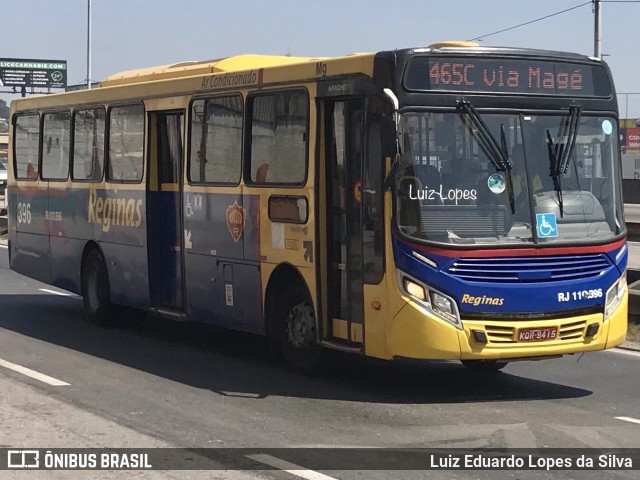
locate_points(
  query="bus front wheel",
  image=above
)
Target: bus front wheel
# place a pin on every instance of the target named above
(299, 345)
(484, 366)
(95, 289)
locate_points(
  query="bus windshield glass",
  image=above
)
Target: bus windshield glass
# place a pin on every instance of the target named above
(451, 188)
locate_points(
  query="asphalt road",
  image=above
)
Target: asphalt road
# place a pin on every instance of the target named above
(154, 383)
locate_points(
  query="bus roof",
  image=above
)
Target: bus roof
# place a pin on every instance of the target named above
(251, 61)
(475, 49)
(186, 69)
(174, 78)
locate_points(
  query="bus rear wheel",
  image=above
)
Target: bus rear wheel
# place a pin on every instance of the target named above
(484, 366)
(95, 289)
(298, 330)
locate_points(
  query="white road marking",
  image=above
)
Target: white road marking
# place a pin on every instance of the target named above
(33, 374)
(241, 394)
(626, 352)
(628, 419)
(4, 246)
(62, 294)
(288, 467)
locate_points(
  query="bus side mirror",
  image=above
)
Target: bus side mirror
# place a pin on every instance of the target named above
(388, 137)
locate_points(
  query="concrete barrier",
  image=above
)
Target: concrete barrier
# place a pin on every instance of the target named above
(634, 298)
(3, 214)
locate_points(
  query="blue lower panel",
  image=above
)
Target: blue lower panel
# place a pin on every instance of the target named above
(240, 296)
(223, 293)
(30, 256)
(202, 289)
(66, 263)
(128, 279)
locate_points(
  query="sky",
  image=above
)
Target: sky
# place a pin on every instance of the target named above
(129, 34)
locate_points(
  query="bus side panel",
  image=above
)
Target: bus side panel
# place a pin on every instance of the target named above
(240, 301)
(66, 259)
(128, 279)
(251, 230)
(119, 218)
(30, 254)
(31, 257)
(214, 224)
(209, 241)
(203, 302)
(69, 231)
(242, 293)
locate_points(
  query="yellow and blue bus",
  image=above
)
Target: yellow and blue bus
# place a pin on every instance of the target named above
(446, 202)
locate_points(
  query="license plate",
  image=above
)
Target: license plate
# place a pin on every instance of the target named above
(540, 334)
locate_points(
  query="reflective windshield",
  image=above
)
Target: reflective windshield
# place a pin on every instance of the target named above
(451, 189)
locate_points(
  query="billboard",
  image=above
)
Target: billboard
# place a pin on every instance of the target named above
(629, 132)
(20, 72)
(632, 140)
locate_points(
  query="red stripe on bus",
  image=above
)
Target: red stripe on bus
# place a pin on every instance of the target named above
(519, 252)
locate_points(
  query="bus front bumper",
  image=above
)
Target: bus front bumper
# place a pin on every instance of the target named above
(417, 334)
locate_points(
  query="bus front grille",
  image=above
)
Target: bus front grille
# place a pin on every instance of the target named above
(529, 269)
(500, 334)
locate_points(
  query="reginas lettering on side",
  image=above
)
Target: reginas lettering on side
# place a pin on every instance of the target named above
(126, 212)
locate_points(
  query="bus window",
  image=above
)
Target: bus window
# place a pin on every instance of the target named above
(88, 144)
(56, 132)
(279, 137)
(126, 141)
(27, 139)
(216, 140)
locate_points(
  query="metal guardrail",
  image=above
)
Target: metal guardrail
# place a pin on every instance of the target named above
(632, 213)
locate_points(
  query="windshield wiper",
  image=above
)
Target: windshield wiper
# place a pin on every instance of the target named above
(553, 170)
(496, 153)
(570, 127)
(498, 157)
(560, 152)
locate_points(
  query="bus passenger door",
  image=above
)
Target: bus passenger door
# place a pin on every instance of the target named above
(344, 144)
(164, 210)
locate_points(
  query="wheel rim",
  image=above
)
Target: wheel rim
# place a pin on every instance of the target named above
(300, 323)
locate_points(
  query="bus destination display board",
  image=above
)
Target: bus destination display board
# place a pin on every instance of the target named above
(501, 75)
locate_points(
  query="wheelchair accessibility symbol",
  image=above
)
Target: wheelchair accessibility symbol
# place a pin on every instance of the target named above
(547, 225)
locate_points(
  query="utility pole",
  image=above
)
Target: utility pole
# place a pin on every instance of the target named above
(88, 44)
(597, 34)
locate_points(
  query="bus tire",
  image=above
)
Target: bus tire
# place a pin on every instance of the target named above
(95, 289)
(299, 337)
(484, 366)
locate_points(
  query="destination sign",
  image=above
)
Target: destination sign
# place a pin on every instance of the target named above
(18, 72)
(502, 75)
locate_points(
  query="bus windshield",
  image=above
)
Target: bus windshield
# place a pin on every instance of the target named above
(451, 188)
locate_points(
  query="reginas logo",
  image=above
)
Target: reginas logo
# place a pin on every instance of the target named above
(109, 211)
(235, 220)
(483, 300)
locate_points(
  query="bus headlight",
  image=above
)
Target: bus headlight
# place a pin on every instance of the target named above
(442, 303)
(414, 290)
(432, 300)
(614, 295)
